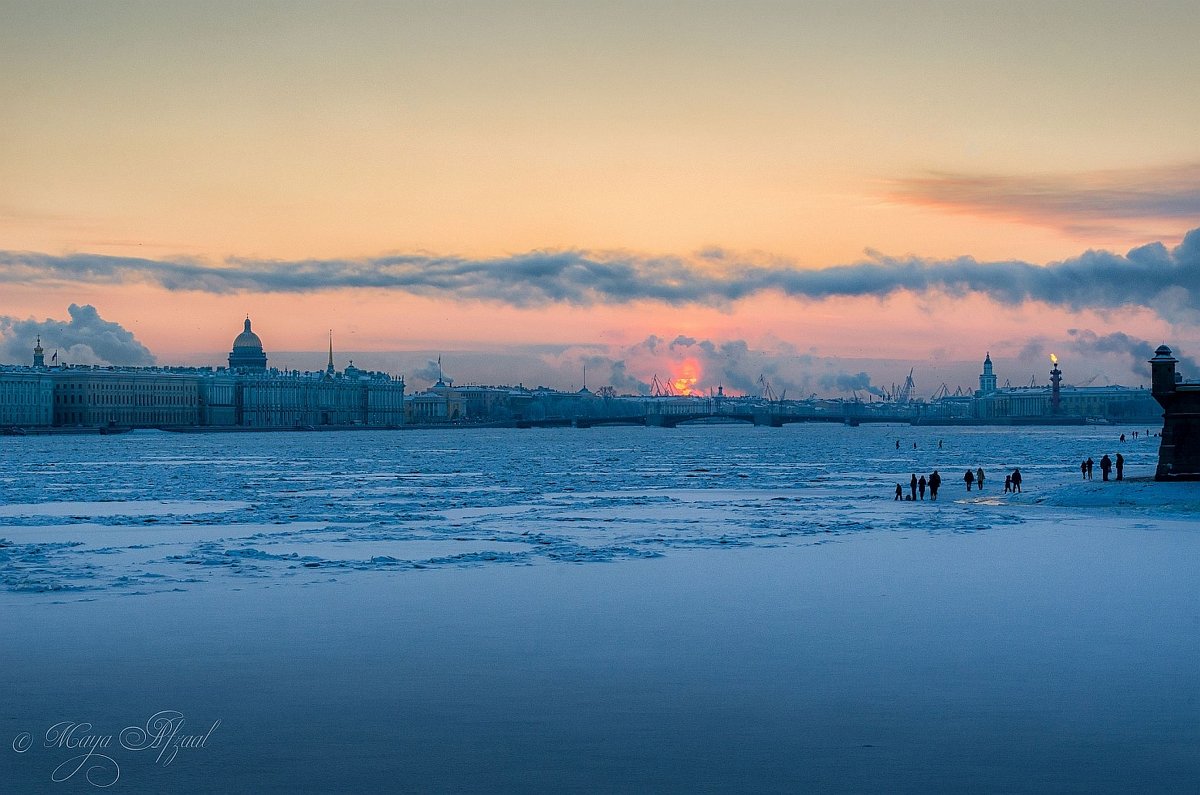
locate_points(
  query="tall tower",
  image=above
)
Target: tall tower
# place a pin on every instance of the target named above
(1055, 380)
(329, 367)
(987, 380)
(39, 355)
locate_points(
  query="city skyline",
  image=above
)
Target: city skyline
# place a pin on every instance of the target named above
(784, 185)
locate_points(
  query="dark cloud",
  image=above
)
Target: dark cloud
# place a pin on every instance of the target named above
(84, 339)
(847, 382)
(1136, 352)
(682, 342)
(1081, 203)
(626, 384)
(1151, 275)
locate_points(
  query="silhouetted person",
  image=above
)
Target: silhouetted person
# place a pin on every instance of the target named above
(935, 483)
(921, 486)
(1016, 480)
(969, 478)
(1089, 463)
(899, 492)
(897, 444)
(1105, 467)
(912, 487)
(939, 444)
(1007, 483)
(1120, 467)
(1083, 469)
(1122, 437)
(914, 445)
(979, 478)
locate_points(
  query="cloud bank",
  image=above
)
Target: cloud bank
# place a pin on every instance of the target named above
(1167, 280)
(84, 339)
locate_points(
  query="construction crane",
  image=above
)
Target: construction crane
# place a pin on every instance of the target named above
(661, 388)
(767, 392)
(907, 390)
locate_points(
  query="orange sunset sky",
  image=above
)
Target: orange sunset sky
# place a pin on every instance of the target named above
(811, 191)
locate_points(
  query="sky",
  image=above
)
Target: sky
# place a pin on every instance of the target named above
(823, 195)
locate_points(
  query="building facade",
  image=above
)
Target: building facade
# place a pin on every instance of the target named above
(246, 394)
(1109, 403)
(26, 397)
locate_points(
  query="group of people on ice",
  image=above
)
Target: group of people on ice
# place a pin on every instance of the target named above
(1106, 467)
(1012, 481)
(917, 486)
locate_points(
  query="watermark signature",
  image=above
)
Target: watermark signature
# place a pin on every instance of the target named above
(94, 754)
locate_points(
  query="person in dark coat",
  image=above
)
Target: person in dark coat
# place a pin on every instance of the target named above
(979, 478)
(899, 492)
(1105, 467)
(969, 478)
(1120, 467)
(1007, 483)
(921, 486)
(1016, 480)
(912, 487)
(1083, 469)
(935, 483)
(1089, 463)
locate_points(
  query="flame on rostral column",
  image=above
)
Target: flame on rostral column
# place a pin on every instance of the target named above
(1053, 359)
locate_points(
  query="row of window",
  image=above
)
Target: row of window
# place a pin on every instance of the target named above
(126, 400)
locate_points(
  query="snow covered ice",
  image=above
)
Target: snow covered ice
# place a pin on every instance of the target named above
(723, 607)
(154, 511)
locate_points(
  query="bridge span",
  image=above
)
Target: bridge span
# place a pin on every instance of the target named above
(763, 418)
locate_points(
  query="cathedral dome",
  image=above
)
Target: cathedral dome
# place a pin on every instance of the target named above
(247, 339)
(247, 353)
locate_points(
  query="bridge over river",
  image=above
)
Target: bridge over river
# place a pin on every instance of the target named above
(763, 417)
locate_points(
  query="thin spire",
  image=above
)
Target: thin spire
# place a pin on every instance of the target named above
(329, 367)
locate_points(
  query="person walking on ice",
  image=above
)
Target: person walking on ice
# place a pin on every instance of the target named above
(1016, 480)
(935, 483)
(969, 478)
(979, 478)
(1105, 467)
(1120, 467)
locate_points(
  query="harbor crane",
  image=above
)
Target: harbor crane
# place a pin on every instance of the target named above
(767, 391)
(660, 388)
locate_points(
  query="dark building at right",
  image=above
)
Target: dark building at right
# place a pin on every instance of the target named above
(1179, 450)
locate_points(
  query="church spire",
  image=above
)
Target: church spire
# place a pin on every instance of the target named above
(329, 367)
(39, 355)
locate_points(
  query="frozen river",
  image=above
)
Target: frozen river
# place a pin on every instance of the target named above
(614, 609)
(149, 511)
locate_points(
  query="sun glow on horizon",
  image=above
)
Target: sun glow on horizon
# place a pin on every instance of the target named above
(689, 375)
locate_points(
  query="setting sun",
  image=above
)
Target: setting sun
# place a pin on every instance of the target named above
(689, 374)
